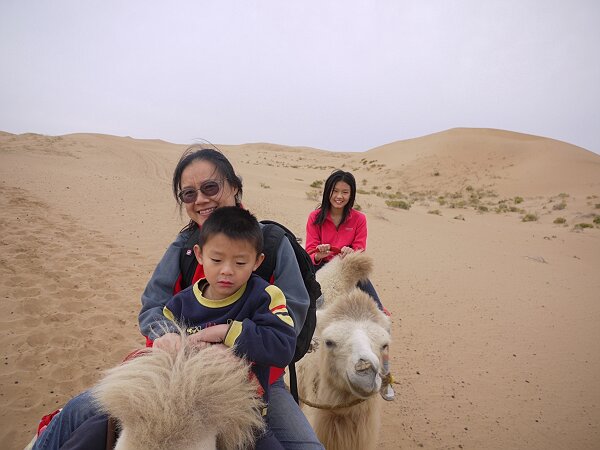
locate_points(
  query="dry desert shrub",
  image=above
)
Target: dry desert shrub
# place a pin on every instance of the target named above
(530, 217)
(393, 195)
(560, 220)
(461, 204)
(502, 207)
(371, 164)
(313, 195)
(398, 204)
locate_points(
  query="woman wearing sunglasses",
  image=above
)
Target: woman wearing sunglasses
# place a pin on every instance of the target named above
(203, 181)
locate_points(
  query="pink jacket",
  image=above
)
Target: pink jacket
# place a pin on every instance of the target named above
(351, 233)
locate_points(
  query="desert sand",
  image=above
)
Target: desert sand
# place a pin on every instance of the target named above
(496, 320)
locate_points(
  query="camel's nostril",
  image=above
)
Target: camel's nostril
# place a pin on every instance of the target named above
(363, 365)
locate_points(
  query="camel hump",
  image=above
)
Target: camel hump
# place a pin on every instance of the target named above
(184, 396)
(340, 275)
(357, 266)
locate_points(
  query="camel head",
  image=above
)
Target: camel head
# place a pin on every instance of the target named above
(353, 335)
(339, 380)
(188, 400)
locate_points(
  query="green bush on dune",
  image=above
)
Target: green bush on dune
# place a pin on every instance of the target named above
(398, 204)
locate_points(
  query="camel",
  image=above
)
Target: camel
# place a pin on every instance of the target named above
(189, 400)
(339, 380)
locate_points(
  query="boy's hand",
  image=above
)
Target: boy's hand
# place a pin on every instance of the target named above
(214, 334)
(170, 342)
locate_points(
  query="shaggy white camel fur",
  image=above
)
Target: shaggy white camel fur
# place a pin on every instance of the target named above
(340, 275)
(341, 378)
(185, 400)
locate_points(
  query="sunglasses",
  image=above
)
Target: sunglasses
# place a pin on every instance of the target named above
(209, 188)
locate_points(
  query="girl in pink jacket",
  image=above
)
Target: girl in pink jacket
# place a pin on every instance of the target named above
(336, 224)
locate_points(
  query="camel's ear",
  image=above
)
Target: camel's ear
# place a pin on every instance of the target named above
(387, 323)
(259, 259)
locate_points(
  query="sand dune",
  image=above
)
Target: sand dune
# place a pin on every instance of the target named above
(495, 320)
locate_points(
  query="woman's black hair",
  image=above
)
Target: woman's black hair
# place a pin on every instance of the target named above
(210, 153)
(336, 176)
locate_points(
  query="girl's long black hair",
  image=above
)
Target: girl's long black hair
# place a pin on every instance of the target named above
(336, 175)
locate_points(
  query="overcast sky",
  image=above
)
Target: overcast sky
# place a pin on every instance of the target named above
(341, 75)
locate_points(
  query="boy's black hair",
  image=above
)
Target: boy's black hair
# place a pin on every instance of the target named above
(234, 222)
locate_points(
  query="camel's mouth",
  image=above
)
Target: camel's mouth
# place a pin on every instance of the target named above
(364, 384)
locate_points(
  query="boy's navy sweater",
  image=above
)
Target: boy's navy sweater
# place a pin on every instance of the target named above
(260, 327)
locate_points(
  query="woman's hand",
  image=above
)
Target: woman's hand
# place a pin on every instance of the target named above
(323, 250)
(345, 251)
(170, 342)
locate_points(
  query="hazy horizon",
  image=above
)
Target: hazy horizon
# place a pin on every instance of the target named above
(339, 75)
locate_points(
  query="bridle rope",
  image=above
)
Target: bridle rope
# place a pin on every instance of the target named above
(334, 407)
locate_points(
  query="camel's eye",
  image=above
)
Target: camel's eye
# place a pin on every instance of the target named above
(385, 348)
(329, 343)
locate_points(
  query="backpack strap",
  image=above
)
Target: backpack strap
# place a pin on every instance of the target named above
(293, 382)
(112, 433)
(272, 236)
(277, 225)
(273, 233)
(187, 259)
